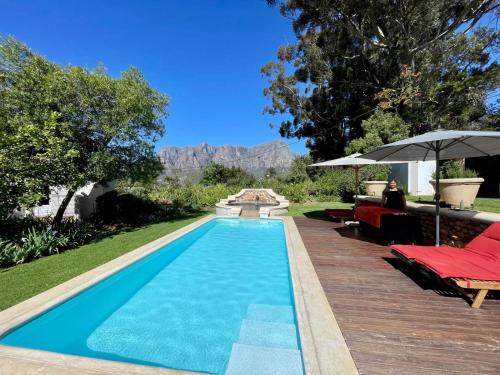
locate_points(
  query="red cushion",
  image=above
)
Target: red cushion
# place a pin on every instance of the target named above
(487, 243)
(363, 203)
(414, 251)
(372, 214)
(452, 262)
(476, 268)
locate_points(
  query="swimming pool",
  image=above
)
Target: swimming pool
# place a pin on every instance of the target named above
(218, 300)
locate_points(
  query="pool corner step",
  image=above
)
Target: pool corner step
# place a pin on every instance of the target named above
(262, 360)
(271, 313)
(269, 334)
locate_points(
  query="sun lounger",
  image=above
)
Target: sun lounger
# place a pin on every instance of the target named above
(476, 267)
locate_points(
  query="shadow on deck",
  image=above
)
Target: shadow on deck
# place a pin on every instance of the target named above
(396, 320)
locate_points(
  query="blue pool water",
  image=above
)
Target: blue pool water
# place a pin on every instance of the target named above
(217, 300)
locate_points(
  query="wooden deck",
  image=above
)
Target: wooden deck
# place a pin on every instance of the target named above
(393, 319)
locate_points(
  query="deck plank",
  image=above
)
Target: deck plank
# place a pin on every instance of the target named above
(394, 319)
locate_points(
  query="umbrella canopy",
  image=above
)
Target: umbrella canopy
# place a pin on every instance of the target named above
(354, 161)
(451, 144)
(351, 160)
(439, 145)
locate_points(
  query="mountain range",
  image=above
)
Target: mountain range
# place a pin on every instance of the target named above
(190, 160)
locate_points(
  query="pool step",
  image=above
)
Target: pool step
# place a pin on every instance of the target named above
(262, 360)
(275, 335)
(271, 313)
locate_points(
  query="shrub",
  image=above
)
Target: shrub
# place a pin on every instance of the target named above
(338, 184)
(128, 209)
(455, 169)
(296, 192)
(8, 253)
(375, 173)
(192, 196)
(37, 243)
(77, 232)
(34, 244)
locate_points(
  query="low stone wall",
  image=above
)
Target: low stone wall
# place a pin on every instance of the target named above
(453, 231)
(457, 227)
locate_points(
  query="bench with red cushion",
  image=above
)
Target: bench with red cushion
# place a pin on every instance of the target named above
(372, 214)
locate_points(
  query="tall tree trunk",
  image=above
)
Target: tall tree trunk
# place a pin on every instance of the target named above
(60, 211)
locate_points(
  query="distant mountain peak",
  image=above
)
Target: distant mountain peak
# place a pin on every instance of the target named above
(184, 161)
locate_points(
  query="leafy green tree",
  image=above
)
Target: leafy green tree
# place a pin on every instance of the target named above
(99, 128)
(298, 171)
(353, 57)
(215, 173)
(379, 129)
(33, 152)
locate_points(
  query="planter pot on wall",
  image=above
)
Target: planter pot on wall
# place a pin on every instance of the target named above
(455, 190)
(375, 188)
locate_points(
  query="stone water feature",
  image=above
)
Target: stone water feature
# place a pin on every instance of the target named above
(253, 202)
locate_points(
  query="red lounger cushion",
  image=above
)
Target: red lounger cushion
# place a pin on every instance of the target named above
(371, 214)
(487, 243)
(479, 260)
(363, 203)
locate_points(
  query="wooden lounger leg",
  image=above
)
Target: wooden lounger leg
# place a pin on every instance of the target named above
(479, 298)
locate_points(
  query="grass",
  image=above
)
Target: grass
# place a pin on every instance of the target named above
(480, 204)
(314, 209)
(26, 280)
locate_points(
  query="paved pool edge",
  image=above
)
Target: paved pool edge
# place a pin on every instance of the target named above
(324, 349)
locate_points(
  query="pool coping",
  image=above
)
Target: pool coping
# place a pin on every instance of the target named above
(324, 350)
(323, 347)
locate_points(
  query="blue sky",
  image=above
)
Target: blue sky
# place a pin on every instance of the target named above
(205, 54)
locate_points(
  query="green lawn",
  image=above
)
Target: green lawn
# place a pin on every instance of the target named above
(314, 209)
(480, 204)
(26, 280)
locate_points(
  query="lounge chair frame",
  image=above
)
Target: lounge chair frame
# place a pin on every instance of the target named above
(482, 287)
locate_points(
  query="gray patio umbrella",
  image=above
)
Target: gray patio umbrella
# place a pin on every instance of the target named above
(440, 145)
(353, 161)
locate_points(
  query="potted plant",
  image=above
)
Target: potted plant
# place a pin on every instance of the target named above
(458, 185)
(376, 186)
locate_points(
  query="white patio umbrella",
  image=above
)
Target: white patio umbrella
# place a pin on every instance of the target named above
(353, 161)
(439, 145)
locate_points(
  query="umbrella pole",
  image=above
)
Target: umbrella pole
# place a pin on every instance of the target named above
(357, 186)
(437, 196)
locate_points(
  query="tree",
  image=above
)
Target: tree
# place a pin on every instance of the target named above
(298, 171)
(379, 129)
(105, 127)
(33, 151)
(215, 173)
(354, 57)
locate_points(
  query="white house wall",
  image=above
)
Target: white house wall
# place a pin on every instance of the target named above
(423, 174)
(414, 176)
(82, 205)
